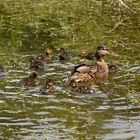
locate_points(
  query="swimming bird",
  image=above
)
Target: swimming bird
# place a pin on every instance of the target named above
(47, 87)
(86, 73)
(28, 80)
(46, 56)
(112, 67)
(35, 64)
(87, 55)
(63, 55)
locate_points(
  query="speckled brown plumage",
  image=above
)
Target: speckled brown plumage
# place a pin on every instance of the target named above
(28, 80)
(35, 64)
(84, 73)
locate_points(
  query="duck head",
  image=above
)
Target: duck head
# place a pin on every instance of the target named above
(63, 55)
(62, 51)
(49, 52)
(101, 51)
(48, 84)
(33, 75)
(83, 53)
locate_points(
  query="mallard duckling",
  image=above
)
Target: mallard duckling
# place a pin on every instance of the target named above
(63, 55)
(28, 80)
(46, 56)
(87, 55)
(84, 73)
(83, 53)
(48, 53)
(112, 67)
(35, 64)
(90, 56)
(48, 86)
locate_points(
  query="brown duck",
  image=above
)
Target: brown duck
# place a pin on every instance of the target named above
(87, 55)
(84, 73)
(48, 86)
(63, 55)
(46, 56)
(112, 67)
(35, 64)
(28, 80)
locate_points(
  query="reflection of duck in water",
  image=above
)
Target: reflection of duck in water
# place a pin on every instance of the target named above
(84, 73)
(29, 80)
(87, 55)
(35, 64)
(63, 55)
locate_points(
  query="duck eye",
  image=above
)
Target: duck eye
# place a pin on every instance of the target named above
(105, 49)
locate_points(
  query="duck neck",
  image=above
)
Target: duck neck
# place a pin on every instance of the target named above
(98, 57)
(100, 61)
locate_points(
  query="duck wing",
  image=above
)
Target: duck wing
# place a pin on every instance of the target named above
(82, 68)
(76, 67)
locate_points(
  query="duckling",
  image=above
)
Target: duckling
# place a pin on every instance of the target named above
(87, 55)
(90, 56)
(83, 53)
(83, 74)
(35, 64)
(28, 80)
(49, 52)
(48, 86)
(63, 54)
(46, 56)
(112, 67)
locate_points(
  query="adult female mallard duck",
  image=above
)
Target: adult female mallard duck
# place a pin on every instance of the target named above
(84, 73)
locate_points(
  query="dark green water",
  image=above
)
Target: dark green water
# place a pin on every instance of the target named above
(27, 114)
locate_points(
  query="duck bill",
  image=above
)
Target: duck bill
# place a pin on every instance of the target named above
(111, 53)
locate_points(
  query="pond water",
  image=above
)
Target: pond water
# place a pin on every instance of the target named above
(107, 112)
(28, 114)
